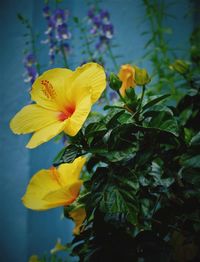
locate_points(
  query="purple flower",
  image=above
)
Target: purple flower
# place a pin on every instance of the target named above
(46, 11)
(30, 65)
(62, 32)
(60, 16)
(52, 51)
(32, 72)
(108, 31)
(101, 27)
(102, 43)
(91, 13)
(96, 21)
(29, 60)
(105, 16)
(50, 26)
(57, 31)
(96, 24)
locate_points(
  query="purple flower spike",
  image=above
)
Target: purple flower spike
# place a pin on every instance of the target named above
(91, 13)
(62, 32)
(29, 60)
(102, 44)
(46, 11)
(60, 16)
(105, 16)
(50, 26)
(108, 31)
(97, 21)
(57, 31)
(31, 71)
(96, 24)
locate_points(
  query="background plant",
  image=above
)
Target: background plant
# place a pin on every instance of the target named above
(160, 51)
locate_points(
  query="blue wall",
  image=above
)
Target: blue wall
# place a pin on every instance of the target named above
(25, 232)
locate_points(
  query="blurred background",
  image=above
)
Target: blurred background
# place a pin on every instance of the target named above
(39, 35)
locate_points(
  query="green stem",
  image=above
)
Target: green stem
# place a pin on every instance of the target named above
(88, 45)
(82, 29)
(142, 98)
(112, 58)
(64, 57)
(34, 50)
(137, 114)
(121, 97)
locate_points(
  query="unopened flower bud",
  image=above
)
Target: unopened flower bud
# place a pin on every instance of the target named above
(141, 76)
(127, 76)
(179, 66)
(115, 82)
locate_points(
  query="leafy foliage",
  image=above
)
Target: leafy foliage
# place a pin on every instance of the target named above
(142, 190)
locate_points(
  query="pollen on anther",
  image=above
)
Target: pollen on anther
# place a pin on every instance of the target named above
(48, 89)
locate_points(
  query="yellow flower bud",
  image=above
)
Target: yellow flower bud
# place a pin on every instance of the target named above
(141, 76)
(127, 76)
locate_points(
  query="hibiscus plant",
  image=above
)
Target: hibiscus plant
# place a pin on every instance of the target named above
(128, 177)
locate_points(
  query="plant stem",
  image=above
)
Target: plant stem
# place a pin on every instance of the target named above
(142, 97)
(112, 58)
(87, 43)
(137, 114)
(34, 50)
(121, 97)
(64, 57)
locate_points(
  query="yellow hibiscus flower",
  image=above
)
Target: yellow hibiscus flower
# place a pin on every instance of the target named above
(54, 187)
(127, 76)
(63, 101)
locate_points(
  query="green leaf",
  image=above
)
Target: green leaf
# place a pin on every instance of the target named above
(191, 161)
(155, 101)
(119, 201)
(114, 120)
(68, 154)
(121, 137)
(118, 155)
(164, 122)
(76, 19)
(94, 128)
(195, 141)
(191, 175)
(154, 110)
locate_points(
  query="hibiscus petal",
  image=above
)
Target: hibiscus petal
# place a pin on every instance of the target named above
(89, 78)
(47, 189)
(79, 116)
(39, 186)
(78, 215)
(50, 89)
(32, 118)
(45, 134)
(70, 172)
(63, 196)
